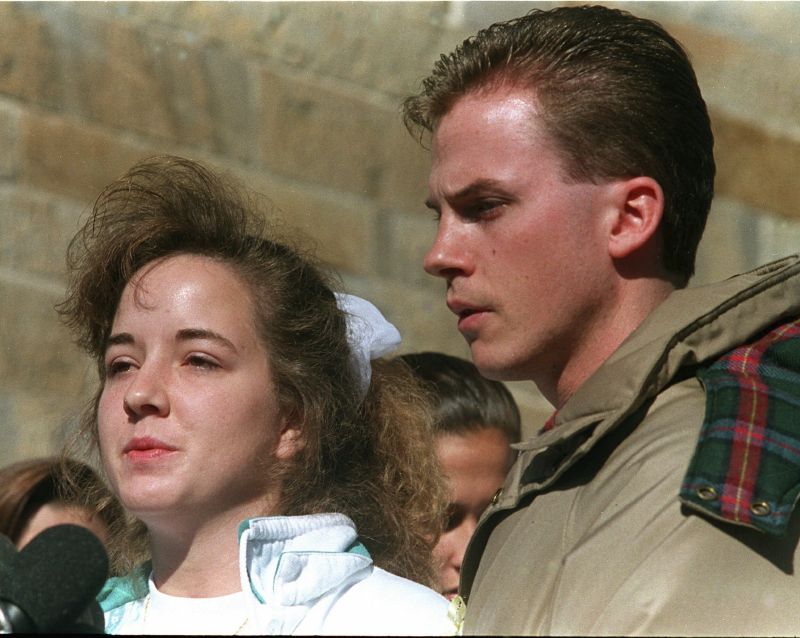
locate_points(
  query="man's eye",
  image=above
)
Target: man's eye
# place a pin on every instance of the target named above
(435, 212)
(482, 208)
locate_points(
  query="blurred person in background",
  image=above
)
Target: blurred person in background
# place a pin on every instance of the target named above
(476, 421)
(33, 497)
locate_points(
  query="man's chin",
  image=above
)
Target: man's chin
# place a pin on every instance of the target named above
(493, 367)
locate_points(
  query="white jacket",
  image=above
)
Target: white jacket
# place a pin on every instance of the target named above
(304, 575)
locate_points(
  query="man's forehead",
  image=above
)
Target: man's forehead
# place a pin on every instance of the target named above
(494, 100)
(486, 118)
(479, 130)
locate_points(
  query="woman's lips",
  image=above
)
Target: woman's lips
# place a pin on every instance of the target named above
(146, 448)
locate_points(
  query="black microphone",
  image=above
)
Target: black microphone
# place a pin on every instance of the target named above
(12, 618)
(7, 554)
(51, 584)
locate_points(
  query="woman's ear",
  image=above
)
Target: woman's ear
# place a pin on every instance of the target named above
(291, 439)
(637, 207)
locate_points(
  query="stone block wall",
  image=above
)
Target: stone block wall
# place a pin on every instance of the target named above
(301, 101)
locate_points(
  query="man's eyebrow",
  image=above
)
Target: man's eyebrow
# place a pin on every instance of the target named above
(189, 334)
(475, 188)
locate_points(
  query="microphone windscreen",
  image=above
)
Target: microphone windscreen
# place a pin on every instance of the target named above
(58, 575)
(7, 548)
(8, 557)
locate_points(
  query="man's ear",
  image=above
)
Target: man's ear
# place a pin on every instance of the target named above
(291, 438)
(637, 207)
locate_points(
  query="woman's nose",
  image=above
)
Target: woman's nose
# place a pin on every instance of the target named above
(465, 532)
(147, 393)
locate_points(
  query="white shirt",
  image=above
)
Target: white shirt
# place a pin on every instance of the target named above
(299, 575)
(174, 615)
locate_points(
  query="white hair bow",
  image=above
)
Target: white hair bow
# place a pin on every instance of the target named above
(369, 333)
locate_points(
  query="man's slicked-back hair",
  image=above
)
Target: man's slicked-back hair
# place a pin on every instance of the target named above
(617, 95)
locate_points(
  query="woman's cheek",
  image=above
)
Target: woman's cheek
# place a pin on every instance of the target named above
(105, 436)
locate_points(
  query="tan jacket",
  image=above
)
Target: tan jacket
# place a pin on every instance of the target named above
(588, 535)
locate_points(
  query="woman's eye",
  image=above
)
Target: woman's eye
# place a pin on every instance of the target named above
(454, 517)
(118, 366)
(200, 361)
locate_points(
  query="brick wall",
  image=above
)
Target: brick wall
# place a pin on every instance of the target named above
(301, 101)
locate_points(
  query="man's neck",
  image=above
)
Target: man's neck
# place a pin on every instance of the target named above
(634, 303)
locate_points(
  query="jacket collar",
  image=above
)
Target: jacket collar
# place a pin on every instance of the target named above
(292, 560)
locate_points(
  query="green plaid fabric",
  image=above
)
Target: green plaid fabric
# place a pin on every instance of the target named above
(746, 467)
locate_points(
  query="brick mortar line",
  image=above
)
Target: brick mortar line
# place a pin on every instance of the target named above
(36, 283)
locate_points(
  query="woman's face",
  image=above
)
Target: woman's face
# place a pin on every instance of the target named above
(188, 416)
(475, 463)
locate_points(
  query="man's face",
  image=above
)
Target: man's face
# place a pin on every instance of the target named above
(521, 246)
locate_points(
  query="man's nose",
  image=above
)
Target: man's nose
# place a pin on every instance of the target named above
(449, 256)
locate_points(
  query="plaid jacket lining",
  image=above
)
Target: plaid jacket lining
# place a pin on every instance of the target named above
(746, 467)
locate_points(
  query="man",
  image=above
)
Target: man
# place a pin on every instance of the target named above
(572, 175)
(476, 421)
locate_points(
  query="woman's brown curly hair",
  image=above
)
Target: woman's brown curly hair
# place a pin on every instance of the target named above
(372, 459)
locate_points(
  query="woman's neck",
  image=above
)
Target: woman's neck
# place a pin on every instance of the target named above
(197, 561)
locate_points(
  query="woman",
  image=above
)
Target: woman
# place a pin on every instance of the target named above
(476, 421)
(32, 499)
(240, 422)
